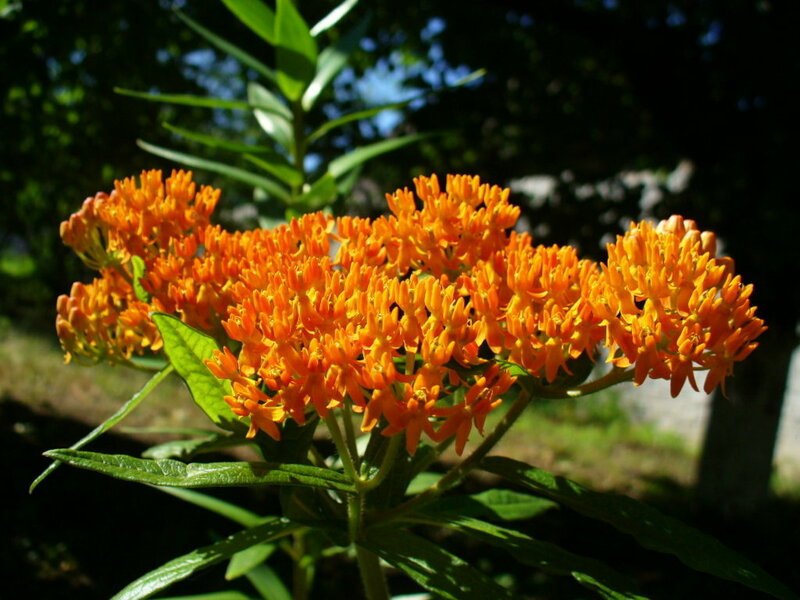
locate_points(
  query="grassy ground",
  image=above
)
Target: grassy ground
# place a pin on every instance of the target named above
(60, 551)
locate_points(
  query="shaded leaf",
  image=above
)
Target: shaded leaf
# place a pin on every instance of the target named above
(138, 272)
(296, 53)
(215, 142)
(504, 505)
(187, 350)
(173, 473)
(226, 595)
(229, 48)
(182, 567)
(226, 509)
(258, 17)
(321, 193)
(186, 99)
(269, 186)
(590, 573)
(354, 116)
(277, 165)
(431, 566)
(650, 527)
(123, 412)
(186, 449)
(268, 584)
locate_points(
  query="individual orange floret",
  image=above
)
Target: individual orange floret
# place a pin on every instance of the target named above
(672, 307)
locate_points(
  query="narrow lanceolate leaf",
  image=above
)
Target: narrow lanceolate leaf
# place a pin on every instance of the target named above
(271, 187)
(186, 449)
(223, 508)
(333, 17)
(215, 142)
(186, 99)
(248, 559)
(226, 595)
(202, 558)
(268, 584)
(123, 412)
(431, 566)
(173, 473)
(274, 163)
(229, 48)
(296, 53)
(650, 527)
(275, 122)
(494, 504)
(343, 164)
(590, 573)
(187, 350)
(258, 17)
(354, 116)
(331, 61)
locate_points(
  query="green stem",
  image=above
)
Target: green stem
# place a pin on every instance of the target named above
(298, 133)
(350, 435)
(386, 465)
(457, 474)
(341, 446)
(372, 576)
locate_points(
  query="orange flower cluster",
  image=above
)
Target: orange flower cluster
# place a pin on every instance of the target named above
(400, 318)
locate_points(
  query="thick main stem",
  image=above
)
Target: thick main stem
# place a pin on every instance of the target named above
(372, 575)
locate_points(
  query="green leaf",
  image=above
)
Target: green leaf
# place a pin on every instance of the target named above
(321, 193)
(228, 48)
(186, 99)
(248, 559)
(331, 61)
(431, 566)
(650, 527)
(226, 595)
(421, 482)
(268, 584)
(504, 505)
(343, 164)
(333, 17)
(354, 116)
(123, 412)
(202, 558)
(269, 186)
(277, 165)
(173, 473)
(296, 53)
(258, 17)
(275, 122)
(137, 262)
(214, 142)
(187, 350)
(550, 558)
(226, 509)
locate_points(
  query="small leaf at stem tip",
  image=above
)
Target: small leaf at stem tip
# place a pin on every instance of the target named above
(258, 17)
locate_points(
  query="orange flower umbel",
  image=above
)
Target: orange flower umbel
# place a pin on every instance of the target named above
(671, 307)
(405, 322)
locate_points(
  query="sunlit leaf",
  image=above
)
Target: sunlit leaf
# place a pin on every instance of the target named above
(186, 99)
(354, 116)
(187, 349)
(138, 272)
(331, 61)
(271, 187)
(123, 412)
(229, 48)
(495, 504)
(174, 473)
(182, 567)
(277, 121)
(650, 527)
(343, 164)
(296, 53)
(248, 559)
(268, 584)
(333, 17)
(258, 17)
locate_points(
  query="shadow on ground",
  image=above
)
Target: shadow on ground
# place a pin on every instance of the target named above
(83, 535)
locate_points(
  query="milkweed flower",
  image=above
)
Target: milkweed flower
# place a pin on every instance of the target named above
(671, 306)
(405, 319)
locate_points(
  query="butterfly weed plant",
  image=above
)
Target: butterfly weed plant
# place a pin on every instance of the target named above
(351, 352)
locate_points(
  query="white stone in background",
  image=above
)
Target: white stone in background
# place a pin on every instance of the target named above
(687, 414)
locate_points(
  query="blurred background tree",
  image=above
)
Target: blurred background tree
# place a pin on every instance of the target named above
(623, 110)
